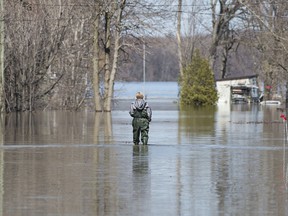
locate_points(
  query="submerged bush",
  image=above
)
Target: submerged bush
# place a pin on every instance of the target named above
(198, 85)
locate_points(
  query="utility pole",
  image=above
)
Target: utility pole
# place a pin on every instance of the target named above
(144, 68)
(178, 35)
(2, 101)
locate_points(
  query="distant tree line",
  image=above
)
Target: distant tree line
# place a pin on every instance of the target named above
(161, 61)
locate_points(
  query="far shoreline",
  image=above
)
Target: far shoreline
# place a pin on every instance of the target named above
(154, 103)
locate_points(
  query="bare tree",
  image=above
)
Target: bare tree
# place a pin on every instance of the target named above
(34, 37)
(223, 13)
(268, 20)
(118, 25)
(56, 49)
(111, 13)
(194, 29)
(96, 60)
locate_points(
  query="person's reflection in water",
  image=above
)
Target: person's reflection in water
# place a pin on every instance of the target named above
(140, 159)
(141, 179)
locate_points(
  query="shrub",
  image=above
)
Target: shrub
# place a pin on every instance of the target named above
(197, 84)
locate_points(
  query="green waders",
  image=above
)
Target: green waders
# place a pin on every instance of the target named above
(140, 126)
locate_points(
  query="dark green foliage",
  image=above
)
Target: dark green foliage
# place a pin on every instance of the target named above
(198, 85)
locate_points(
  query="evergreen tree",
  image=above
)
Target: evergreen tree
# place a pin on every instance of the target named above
(198, 85)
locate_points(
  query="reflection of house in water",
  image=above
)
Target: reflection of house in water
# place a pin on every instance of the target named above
(238, 90)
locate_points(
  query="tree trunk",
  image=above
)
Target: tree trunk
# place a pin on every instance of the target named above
(2, 99)
(108, 99)
(220, 25)
(179, 15)
(96, 72)
(110, 80)
(107, 50)
(213, 46)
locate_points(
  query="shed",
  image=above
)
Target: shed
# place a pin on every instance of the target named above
(238, 90)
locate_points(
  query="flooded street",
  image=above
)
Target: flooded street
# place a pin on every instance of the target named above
(220, 161)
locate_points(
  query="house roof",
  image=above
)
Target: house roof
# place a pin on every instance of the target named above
(237, 78)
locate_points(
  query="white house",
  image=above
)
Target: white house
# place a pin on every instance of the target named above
(238, 90)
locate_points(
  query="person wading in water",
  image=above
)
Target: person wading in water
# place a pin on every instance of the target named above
(142, 116)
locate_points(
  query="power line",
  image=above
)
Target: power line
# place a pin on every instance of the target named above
(84, 18)
(150, 5)
(89, 5)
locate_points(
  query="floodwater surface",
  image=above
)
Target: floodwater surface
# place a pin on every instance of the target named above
(228, 160)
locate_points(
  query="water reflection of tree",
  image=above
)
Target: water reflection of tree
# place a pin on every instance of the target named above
(66, 167)
(272, 123)
(1, 165)
(201, 122)
(193, 120)
(21, 127)
(102, 127)
(57, 127)
(275, 128)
